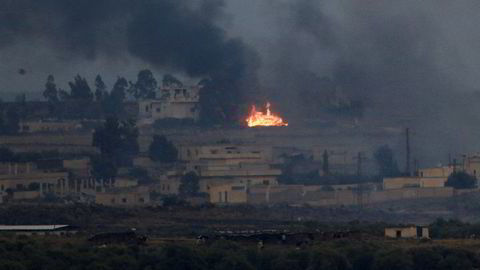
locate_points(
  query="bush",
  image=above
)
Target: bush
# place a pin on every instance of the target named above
(461, 180)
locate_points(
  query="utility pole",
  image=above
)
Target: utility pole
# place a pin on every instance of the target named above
(415, 167)
(359, 163)
(407, 165)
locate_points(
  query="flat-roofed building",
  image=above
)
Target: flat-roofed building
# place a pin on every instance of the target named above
(131, 196)
(251, 174)
(49, 126)
(226, 153)
(434, 172)
(407, 232)
(171, 103)
(413, 182)
(228, 193)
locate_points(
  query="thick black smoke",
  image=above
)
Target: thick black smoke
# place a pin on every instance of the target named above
(399, 62)
(178, 34)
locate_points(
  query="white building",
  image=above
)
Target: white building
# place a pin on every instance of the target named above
(171, 103)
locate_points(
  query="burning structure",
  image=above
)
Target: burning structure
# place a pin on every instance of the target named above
(258, 118)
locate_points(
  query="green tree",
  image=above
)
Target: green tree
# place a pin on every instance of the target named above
(461, 180)
(51, 92)
(325, 168)
(113, 103)
(189, 184)
(119, 89)
(387, 166)
(12, 120)
(117, 140)
(162, 150)
(145, 86)
(104, 167)
(80, 90)
(100, 89)
(141, 175)
(6, 155)
(170, 80)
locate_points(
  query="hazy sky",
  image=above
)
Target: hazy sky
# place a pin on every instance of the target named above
(412, 58)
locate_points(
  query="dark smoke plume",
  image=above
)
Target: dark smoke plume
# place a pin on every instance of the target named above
(400, 60)
(178, 34)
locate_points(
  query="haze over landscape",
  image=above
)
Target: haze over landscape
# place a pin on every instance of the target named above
(239, 134)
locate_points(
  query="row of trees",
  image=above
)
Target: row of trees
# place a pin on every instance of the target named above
(143, 88)
(219, 102)
(352, 255)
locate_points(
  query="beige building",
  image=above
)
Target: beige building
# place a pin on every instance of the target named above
(44, 182)
(228, 193)
(472, 165)
(136, 196)
(251, 174)
(176, 103)
(50, 176)
(225, 153)
(413, 182)
(49, 126)
(407, 232)
(434, 172)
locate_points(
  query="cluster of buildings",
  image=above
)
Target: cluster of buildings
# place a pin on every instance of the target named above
(245, 171)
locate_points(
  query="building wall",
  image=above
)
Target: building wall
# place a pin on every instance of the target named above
(400, 182)
(40, 126)
(443, 172)
(433, 182)
(409, 232)
(232, 193)
(179, 103)
(168, 186)
(26, 195)
(472, 165)
(15, 168)
(130, 197)
(225, 153)
(409, 182)
(293, 194)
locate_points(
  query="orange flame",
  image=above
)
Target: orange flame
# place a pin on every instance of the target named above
(258, 118)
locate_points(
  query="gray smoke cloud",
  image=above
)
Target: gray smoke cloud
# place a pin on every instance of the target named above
(413, 60)
(181, 35)
(410, 63)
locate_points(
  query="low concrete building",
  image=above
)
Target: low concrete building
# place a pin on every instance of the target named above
(228, 193)
(226, 153)
(44, 182)
(171, 102)
(136, 196)
(49, 126)
(27, 195)
(413, 182)
(412, 232)
(250, 173)
(436, 172)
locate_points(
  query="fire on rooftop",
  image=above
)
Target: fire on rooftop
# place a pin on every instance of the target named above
(258, 118)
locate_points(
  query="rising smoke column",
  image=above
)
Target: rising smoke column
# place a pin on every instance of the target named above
(399, 58)
(179, 34)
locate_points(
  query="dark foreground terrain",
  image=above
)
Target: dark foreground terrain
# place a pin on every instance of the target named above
(244, 237)
(18, 253)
